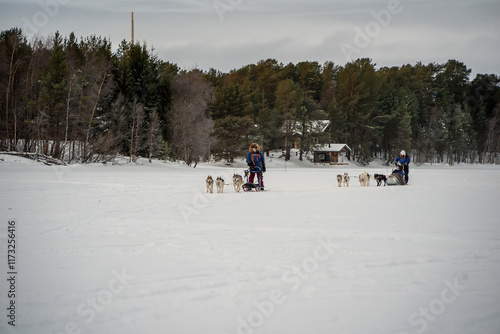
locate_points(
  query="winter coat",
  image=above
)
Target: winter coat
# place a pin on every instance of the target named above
(403, 161)
(404, 164)
(256, 161)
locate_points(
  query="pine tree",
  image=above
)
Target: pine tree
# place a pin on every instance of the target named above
(288, 101)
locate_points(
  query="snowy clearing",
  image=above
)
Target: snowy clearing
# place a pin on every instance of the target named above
(143, 249)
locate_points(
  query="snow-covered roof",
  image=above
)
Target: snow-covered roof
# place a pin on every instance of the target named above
(317, 126)
(320, 125)
(332, 148)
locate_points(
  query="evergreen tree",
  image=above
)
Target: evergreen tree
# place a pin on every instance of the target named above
(54, 94)
(65, 95)
(357, 97)
(288, 101)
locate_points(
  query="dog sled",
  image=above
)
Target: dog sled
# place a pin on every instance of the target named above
(397, 178)
(248, 186)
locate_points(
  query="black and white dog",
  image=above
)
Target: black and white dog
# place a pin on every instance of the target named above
(380, 178)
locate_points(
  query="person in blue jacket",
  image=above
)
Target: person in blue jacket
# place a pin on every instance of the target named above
(403, 162)
(256, 162)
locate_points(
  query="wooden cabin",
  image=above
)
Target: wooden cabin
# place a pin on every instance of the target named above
(333, 154)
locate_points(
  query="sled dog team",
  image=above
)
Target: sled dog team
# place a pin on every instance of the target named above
(399, 174)
(256, 167)
(364, 179)
(219, 183)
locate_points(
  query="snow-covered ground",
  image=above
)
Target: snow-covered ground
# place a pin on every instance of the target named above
(143, 249)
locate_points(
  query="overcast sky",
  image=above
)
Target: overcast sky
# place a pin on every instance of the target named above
(227, 34)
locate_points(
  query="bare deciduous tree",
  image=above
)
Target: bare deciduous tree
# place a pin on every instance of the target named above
(191, 126)
(154, 129)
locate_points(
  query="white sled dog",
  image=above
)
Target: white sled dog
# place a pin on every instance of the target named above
(364, 179)
(237, 182)
(220, 184)
(339, 180)
(210, 184)
(347, 178)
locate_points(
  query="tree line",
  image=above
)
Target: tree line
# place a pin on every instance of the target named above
(77, 100)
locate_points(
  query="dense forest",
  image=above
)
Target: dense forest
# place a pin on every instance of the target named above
(78, 100)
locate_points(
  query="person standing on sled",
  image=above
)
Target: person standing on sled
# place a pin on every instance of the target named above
(403, 162)
(255, 160)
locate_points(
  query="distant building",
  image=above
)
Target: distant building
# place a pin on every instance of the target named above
(315, 129)
(334, 154)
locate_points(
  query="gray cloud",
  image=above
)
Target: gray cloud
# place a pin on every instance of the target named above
(191, 33)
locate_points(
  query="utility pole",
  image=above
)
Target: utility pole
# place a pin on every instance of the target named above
(132, 37)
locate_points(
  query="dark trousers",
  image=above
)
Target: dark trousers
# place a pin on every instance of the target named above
(406, 169)
(259, 175)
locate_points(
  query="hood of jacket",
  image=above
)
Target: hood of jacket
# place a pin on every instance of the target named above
(254, 145)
